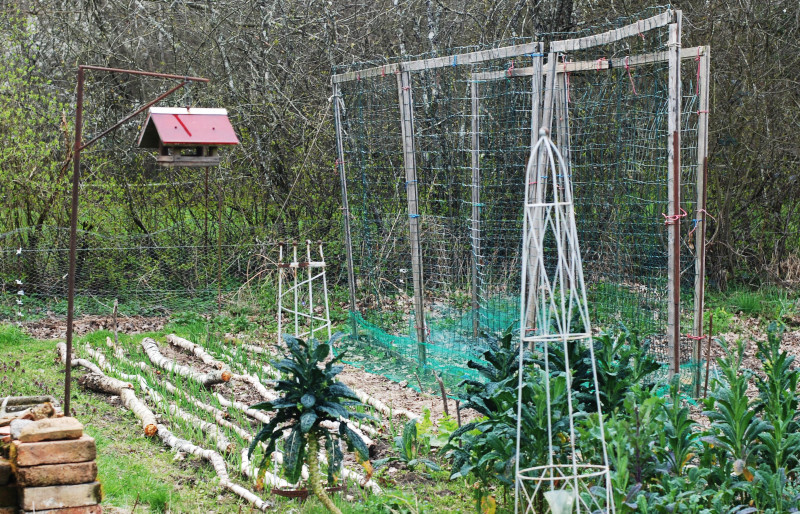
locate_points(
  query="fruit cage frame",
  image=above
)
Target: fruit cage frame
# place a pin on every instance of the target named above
(432, 154)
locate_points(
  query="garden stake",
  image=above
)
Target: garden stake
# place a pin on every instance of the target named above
(444, 393)
(114, 317)
(135, 503)
(419, 383)
(708, 352)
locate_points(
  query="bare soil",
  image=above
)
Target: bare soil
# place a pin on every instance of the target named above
(56, 328)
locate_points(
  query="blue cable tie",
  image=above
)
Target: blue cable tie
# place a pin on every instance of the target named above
(537, 55)
(413, 215)
(455, 61)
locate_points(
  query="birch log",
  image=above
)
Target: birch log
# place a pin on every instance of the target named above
(217, 462)
(61, 349)
(114, 386)
(195, 349)
(154, 354)
(255, 414)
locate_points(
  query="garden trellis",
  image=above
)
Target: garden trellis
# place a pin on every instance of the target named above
(432, 154)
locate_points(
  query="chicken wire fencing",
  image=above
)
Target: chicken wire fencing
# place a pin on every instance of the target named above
(432, 155)
(149, 275)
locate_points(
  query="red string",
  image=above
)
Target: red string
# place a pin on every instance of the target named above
(600, 63)
(638, 27)
(703, 211)
(699, 220)
(628, 69)
(383, 71)
(695, 338)
(672, 219)
(510, 70)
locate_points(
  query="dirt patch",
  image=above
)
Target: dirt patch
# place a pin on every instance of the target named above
(56, 328)
(398, 396)
(184, 358)
(242, 391)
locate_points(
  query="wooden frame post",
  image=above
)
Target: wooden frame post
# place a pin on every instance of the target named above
(476, 206)
(348, 241)
(674, 198)
(704, 71)
(539, 188)
(410, 163)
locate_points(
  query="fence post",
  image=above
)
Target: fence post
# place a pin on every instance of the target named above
(409, 159)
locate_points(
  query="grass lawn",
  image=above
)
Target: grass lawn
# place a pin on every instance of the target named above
(142, 473)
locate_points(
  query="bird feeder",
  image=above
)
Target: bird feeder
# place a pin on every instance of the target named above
(187, 137)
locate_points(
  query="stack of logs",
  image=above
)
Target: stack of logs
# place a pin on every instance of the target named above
(49, 468)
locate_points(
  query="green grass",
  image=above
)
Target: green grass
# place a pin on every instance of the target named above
(767, 303)
(135, 470)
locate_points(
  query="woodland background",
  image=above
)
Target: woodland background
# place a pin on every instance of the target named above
(270, 64)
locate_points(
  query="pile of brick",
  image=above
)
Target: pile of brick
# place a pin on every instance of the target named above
(49, 468)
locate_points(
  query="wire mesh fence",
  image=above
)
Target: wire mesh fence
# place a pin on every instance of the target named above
(472, 125)
(199, 247)
(148, 275)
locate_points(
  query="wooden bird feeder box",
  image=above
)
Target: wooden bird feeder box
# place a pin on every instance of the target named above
(187, 137)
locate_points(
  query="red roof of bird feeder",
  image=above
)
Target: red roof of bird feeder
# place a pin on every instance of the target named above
(185, 126)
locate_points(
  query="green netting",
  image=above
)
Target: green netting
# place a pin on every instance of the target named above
(613, 126)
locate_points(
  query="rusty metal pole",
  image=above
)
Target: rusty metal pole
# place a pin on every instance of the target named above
(73, 235)
(76, 182)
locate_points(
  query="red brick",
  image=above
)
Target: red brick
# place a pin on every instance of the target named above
(57, 474)
(51, 429)
(53, 452)
(59, 496)
(88, 509)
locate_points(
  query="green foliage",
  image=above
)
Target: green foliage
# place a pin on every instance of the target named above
(623, 361)
(736, 429)
(309, 395)
(778, 399)
(681, 441)
(410, 448)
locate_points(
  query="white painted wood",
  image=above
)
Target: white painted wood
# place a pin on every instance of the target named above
(605, 64)
(634, 29)
(704, 65)
(464, 59)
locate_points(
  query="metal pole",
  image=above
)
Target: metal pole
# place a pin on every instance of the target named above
(219, 249)
(410, 161)
(73, 236)
(476, 208)
(76, 180)
(701, 216)
(348, 241)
